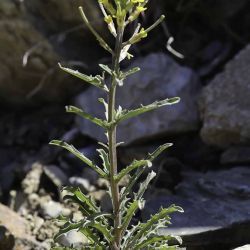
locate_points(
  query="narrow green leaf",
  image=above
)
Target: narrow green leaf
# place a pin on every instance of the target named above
(144, 185)
(158, 151)
(92, 238)
(127, 114)
(97, 81)
(79, 155)
(99, 222)
(106, 68)
(138, 173)
(80, 112)
(93, 31)
(105, 160)
(133, 179)
(69, 226)
(144, 229)
(134, 165)
(129, 72)
(103, 230)
(133, 207)
(82, 198)
(151, 240)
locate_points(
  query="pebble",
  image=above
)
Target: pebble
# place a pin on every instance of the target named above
(72, 239)
(51, 209)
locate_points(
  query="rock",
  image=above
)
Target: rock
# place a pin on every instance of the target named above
(34, 200)
(56, 175)
(62, 23)
(28, 62)
(216, 206)
(72, 239)
(160, 78)
(236, 156)
(98, 195)
(7, 240)
(17, 37)
(55, 14)
(82, 183)
(13, 222)
(226, 113)
(14, 227)
(51, 209)
(31, 182)
(245, 247)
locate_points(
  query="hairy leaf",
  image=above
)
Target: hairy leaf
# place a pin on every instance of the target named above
(134, 165)
(152, 239)
(126, 114)
(105, 160)
(129, 72)
(154, 223)
(68, 226)
(97, 81)
(80, 112)
(79, 155)
(144, 185)
(134, 178)
(158, 151)
(77, 196)
(133, 207)
(106, 68)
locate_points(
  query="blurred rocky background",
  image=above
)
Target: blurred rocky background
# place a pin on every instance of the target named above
(207, 171)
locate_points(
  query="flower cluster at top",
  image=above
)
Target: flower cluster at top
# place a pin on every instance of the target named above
(124, 11)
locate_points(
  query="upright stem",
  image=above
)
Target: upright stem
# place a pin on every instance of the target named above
(112, 141)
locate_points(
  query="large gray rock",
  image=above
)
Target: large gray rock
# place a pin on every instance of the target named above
(61, 21)
(236, 156)
(160, 77)
(225, 104)
(216, 209)
(15, 230)
(25, 27)
(17, 37)
(55, 13)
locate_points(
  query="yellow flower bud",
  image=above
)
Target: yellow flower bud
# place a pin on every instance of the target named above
(108, 19)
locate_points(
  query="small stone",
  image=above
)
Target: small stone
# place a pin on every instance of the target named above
(51, 209)
(32, 180)
(77, 216)
(102, 183)
(98, 195)
(66, 212)
(82, 183)
(38, 222)
(56, 175)
(34, 200)
(72, 239)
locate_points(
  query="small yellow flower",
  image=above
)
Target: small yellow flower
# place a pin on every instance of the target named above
(108, 19)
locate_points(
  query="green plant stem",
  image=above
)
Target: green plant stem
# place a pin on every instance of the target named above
(112, 141)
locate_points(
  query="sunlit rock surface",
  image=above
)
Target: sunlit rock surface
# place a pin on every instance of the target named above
(216, 206)
(160, 78)
(225, 104)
